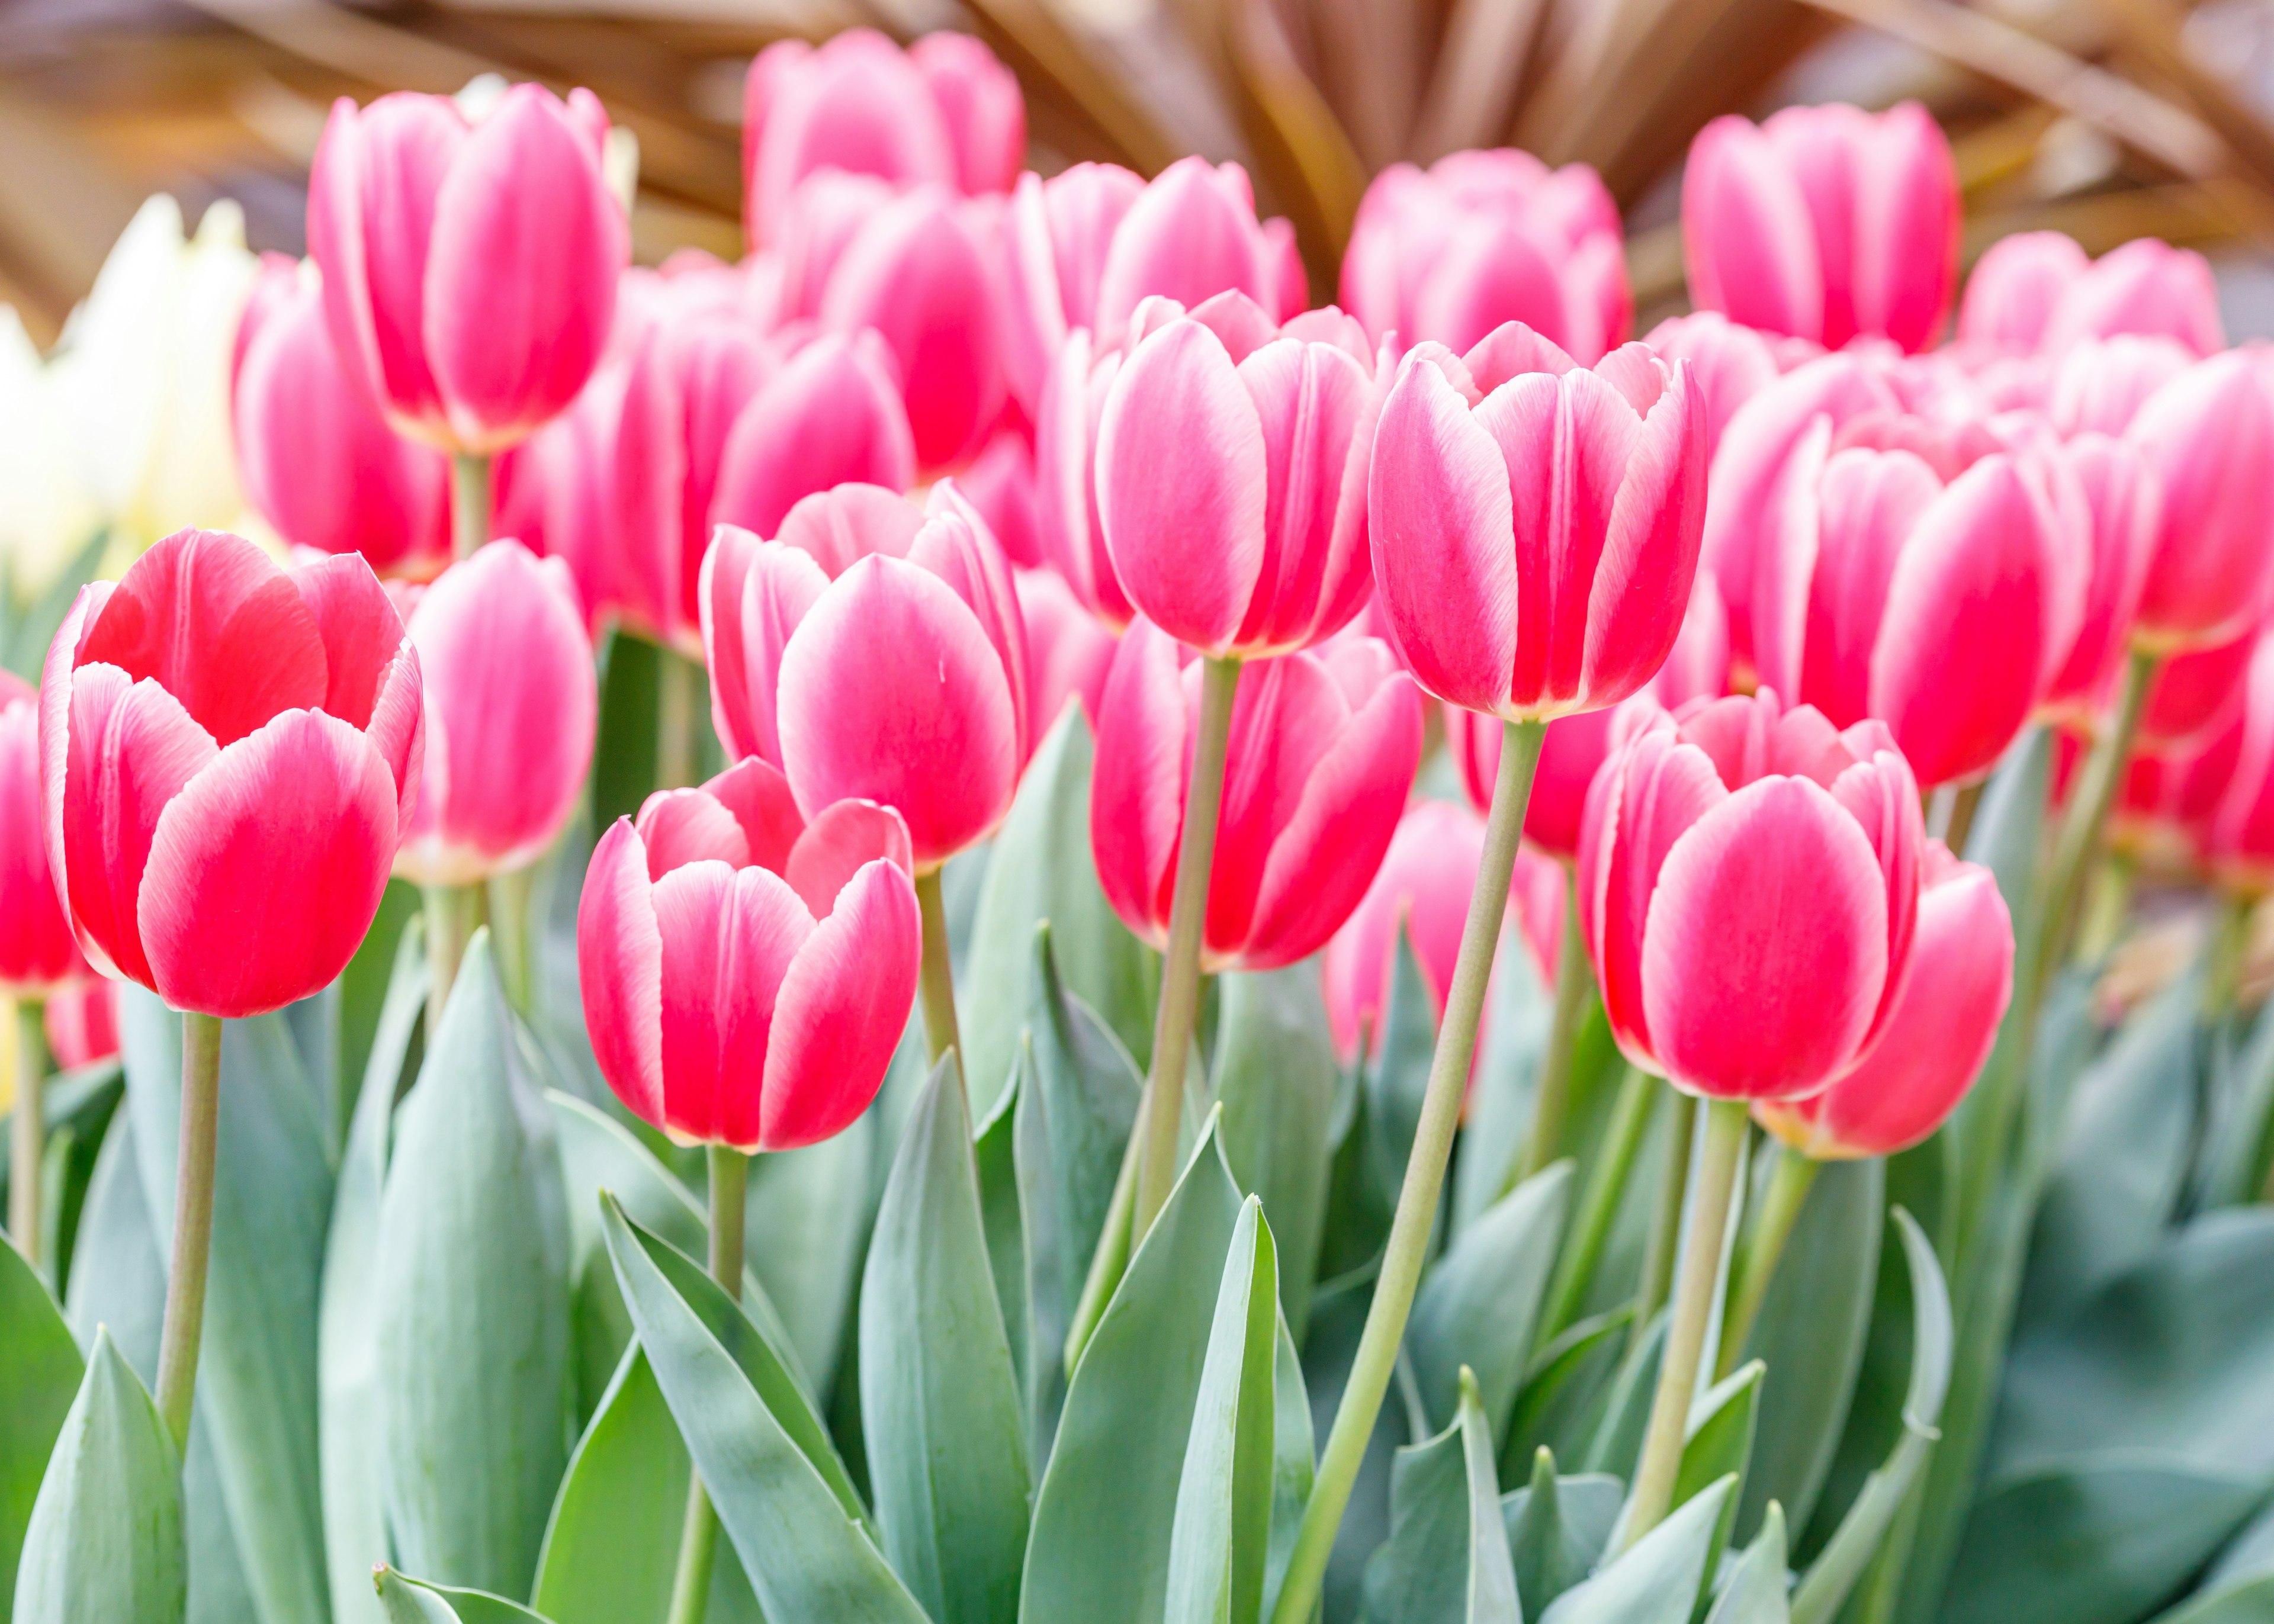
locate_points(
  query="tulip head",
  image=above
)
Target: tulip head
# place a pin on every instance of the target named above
(2036, 290)
(37, 953)
(1066, 522)
(82, 1024)
(2207, 435)
(1191, 235)
(2122, 513)
(1058, 235)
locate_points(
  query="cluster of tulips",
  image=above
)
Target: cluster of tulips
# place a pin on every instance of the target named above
(1702, 648)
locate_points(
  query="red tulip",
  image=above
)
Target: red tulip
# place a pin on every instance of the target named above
(1068, 650)
(1826, 222)
(1936, 1036)
(2209, 436)
(2196, 694)
(2037, 290)
(745, 973)
(228, 757)
(469, 271)
(82, 1024)
(1321, 754)
(2237, 831)
(1484, 237)
(2123, 512)
(1535, 524)
(37, 953)
(1749, 888)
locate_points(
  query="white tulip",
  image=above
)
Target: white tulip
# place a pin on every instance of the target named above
(47, 518)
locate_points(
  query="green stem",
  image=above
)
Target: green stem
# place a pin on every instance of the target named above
(1693, 1311)
(1963, 802)
(1666, 1217)
(678, 683)
(1180, 967)
(1598, 1203)
(449, 927)
(27, 1140)
(698, 1539)
(1551, 1101)
(936, 987)
(183, 1326)
(2223, 955)
(1425, 1177)
(2088, 814)
(470, 503)
(517, 960)
(1754, 1266)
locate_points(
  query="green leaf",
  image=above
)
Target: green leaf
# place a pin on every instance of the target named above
(40, 1372)
(26, 631)
(1519, 1011)
(994, 1157)
(404, 1600)
(1557, 1528)
(781, 1494)
(1566, 1389)
(1617, 1440)
(368, 992)
(1294, 1458)
(1755, 1593)
(1397, 1077)
(1275, 1077)
(1041, 871)
(1477, 1306)
(473, 1309)
(105, 1539)
(1720, 1442)
(1105, 1513)
(1338, 1312)
(2239, 1587)
(808, 1213)
(119, 1277)
(1660, 1579)
(2241, 1135)
(1447, 1559)
(940, 1400)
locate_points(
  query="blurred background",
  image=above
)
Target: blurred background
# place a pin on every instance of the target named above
(2108, 119)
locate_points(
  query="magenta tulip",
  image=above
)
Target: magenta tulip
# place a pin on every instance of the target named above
(229, 754)
(1731, 363)
(38, 955)
(469, 270)
(1191, 235)
(2209, 437)
(2036, 290)
(1826, 222)
(746, 972)
(832, 416)
(2195, 694)
(1748, 889)
(1058, 237)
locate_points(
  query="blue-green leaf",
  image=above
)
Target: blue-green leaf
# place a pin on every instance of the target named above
(1560, 1403)
(1478, 1304)
(413, 1601)
(1755, 1592)
(1557, 1528)
(40, 1372)
(1275, 1077)
(1660, 1579)
(1447, 1559)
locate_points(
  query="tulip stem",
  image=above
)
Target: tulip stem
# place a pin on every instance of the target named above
(2088, 813)
(449, 927)
(470, 503)
(1666, 1217)
(1418, 1196)
(516, 959)
(678, 688)
(1699, 1271)
(1755, 1265)
(27, 1139)
(1599, 1204)
(937, 984)
(1957, 815)
(183, 1326)
(1551, 1100)
(698, 1539)
(1181, 970)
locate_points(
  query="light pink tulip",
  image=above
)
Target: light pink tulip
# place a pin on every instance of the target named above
(1319, 757)
(1748, 887)
(1937, 1034)
(228, 757)
(1191, 235)
(2101, 384)
(1065, 476)
(1536, 523)
(82, 1024)
(1731, 363)
(2037, 290)
(1000, 484)
(2209, 437)
(831, 416)
(746, 972)
(1057, 240)
(1068, 649)
(38, 955)
(469, 271)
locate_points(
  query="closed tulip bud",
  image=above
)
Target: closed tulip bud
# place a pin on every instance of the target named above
(2122, 515)
(1731, 363)
(1484, 237)
(1194, 235)
(1068, 649)
(82, 1024)
(1423, 888)
(469, 270)
(1826, 222)
(2209, 437)
(2101, 384)
(1937, 1034)
(831, 416)
(1321, 756)
(229, 754)
(1056, 239)
(317, 461)
(1536, 523)
(37, 952)
(1749, 888)
(1065, 476)
(746, 972)
(556, 494)
(2036, 290)
(511, 708)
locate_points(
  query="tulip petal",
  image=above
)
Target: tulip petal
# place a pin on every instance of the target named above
(729, 936)
(359, 629)
(681, 826)
(847, 522)
(841, 1010)
(837, 845)
(779, 591)
(1310, 401)
(832, 416)
(1138, 784)
(619, 971)
(1285, 718)
(1869, 504)
(1747, 235)
(1644, 577)
(758, 796)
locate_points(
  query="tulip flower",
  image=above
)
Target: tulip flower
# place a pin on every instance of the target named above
(82, 1024)
(1000, 484)
(1826, 222)
(1484, 237)
(49, 514)
(944, 112)
(2101, 384)
(2036, 290)
(2195, 696)
(1191, 235)
(832, 416)
(2123, 513)
(38, 954)
(556, 494)
(2207, 435)
(1066, 477)
(469, 270)
(1068, 651)
(1732, 364)
(1057, 236)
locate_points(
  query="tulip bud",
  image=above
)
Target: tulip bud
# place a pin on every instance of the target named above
(1057, 236)
(745, 974)
(37, 953)
(1732, 364)
(2036, 291)
(229, 758)
(2209, 437)
(830, 417)
(82, 1024)
(1191, 235)
(1066, 477)
(2101, 384)
(2121, 515)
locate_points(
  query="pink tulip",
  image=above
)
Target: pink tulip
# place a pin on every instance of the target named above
(1748, 889)
(556, 492)
(1000, 484)
(469, 271)
(1194, 235)
(38, 955)
(1535, 524)
(1937, 1034)
(1231, 458)
(1826, 222)
(1068, 650)
(1732, 364)
(82, 1024)
(2101, 384)
(2195, 694)
(1423, 888)
(832, 416)
(2209, 437)
(2037, 290)
(317, 460)
(1065, 476)
(746, 972)
(2164, 809)
(512, 705)
(228, 757)
(2238, 831)
(2123, 512)
(944, 112)
(1321, 754)
(875, 651)
(1484, 237)
(1057, 238)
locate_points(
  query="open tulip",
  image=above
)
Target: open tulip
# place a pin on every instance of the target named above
(747, 972)
(1536, 523)
(2036, 290)
(2207, 435)
(37, 953)
(1826, 222)
(469, 270)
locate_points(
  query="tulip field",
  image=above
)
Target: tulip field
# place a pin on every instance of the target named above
(1011, 914)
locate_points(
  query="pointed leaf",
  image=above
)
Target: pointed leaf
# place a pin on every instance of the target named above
(1755, 1593)
(1447, 1559)
(1659, 1580)
(1617, 1440)
(1566, 1388)
(40, 1372)
(1477, 1305)
(1294, 1459)
(995, 1158)
(1520, 1011)
(1720, 1437)
(1275, 1076)
(807, 1212)
(1557, 1528)
(413, 1601)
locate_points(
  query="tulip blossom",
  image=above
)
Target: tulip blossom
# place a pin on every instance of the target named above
(1000, 484)
(37, 953)
(942, 112)
(746, 972)
(832, 416)
(469, 270)
(2122, 513)
(2237, 832)
(1826, 222)
(512, 706)
(1536, 523)
(229, 755)
(82, 1024)
(2101, 384)
(2207, 435)
(1731, 363)
(1066, 477)
(875, 651)
(556, 494)
(1749, 890)
(1057, 236)
(1423, 888)
(2195, 696)
(1068, 650)
(2036, 290)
